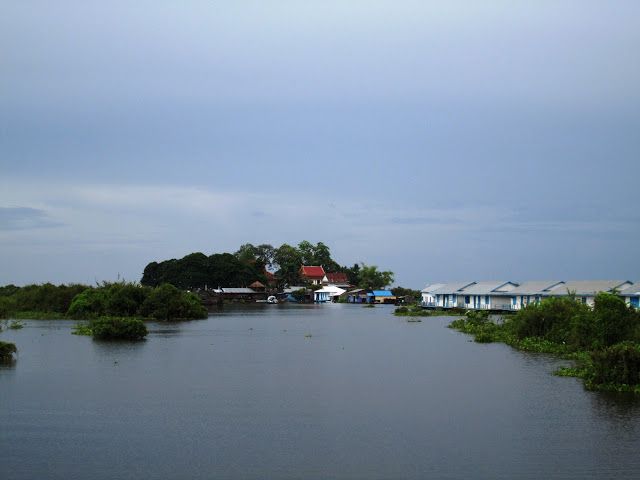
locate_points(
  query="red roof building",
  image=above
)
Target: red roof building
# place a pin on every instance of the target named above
(312, 273)
(337, 278)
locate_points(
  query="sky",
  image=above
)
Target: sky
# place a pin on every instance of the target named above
(439, 140)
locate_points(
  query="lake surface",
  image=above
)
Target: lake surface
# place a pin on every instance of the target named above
(329, 391)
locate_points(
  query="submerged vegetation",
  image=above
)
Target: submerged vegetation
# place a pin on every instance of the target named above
(412, 311)
(6, 351)
(109, 299)
(112, 328)
(118, 329)
(603, 341)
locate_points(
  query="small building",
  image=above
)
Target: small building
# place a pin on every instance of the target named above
(631, 295)
(288, 294)
(359, 295)
(448, 295)
(486, 295)
(339, 279)
(428, 298)
(532, 292)
(312, 274)
(329, 293)
(234, 294)
(381, 296)
(586, 290)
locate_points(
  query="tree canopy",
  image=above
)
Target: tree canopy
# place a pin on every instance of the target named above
(255, 262)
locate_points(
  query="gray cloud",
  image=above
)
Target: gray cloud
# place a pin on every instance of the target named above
(25, 218)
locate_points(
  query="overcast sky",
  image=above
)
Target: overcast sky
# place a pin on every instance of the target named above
(440, 140)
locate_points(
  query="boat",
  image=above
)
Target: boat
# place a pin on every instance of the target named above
(271, 299)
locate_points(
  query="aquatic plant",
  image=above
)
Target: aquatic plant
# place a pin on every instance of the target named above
(118, 329)
(82, 328)
(7, 350)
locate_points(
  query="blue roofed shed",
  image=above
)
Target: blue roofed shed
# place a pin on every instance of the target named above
(380, 296)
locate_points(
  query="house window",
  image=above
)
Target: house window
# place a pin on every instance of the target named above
(584, 299)
(466, 299)
(513, 300)
(635, 301)
(486, 299)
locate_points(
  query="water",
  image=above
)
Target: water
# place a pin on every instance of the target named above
(331, 391)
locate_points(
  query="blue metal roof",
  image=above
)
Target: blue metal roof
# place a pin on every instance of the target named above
(380, 293)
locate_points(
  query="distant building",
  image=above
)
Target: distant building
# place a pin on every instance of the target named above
(532, 292)
(339, 279)
(631, 295)
(586, 290)
(508, 295)
(380, 296)
(329, 293)
(312, 274)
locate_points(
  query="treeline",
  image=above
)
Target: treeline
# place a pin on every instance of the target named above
(604, 340)
(255, 262)
(109, 299)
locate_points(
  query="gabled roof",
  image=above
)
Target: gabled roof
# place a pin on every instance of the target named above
(449, 288)
(536, 287)
(257, 284)
(432, 287)
(357, 290)
(488, 287)
(337, 277)
(331, 289)
(633, 290)
(589, 287)
(312, 271)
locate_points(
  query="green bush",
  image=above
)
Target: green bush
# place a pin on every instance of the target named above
(7, 350)
(166, 302)
(615, 365)
(124, 299)
(552, 319)
(90, 303)
(118, 329)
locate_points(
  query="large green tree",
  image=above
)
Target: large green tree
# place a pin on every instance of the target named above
(372, 278)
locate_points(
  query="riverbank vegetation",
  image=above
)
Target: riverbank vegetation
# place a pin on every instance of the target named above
(107, 300)
(603, 341)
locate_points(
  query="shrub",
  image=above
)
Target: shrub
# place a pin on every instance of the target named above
(166, 302)
(90, 303)
(124, 299)
(551, 319)
(615, 365)
(118, 329)
(7, 350)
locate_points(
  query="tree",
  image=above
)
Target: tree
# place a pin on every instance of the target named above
(371, 278)
(289, 260)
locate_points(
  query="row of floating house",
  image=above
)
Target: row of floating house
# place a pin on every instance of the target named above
(509, 296)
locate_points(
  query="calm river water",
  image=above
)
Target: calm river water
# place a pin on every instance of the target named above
(331, 391)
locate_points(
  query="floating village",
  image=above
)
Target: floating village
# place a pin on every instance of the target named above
(496, 296)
